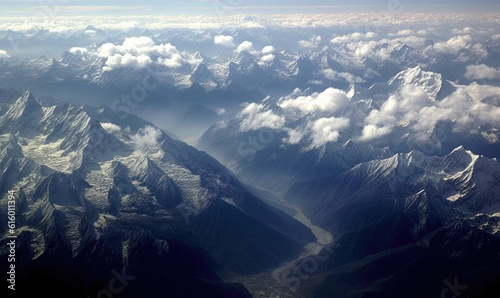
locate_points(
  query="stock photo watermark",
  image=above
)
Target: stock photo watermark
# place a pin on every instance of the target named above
(254, 143)
(210, 191)
(222, 7)
(129, 101)
(453, 289)
(293, 277)
(11, 237)
(45, 11)
(116, 284)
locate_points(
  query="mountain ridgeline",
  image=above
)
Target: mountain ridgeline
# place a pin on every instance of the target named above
(96, 198)
(408, 209)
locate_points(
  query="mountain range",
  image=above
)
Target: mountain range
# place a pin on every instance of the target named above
(130, 199)
(285, 156)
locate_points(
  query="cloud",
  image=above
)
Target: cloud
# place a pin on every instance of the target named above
(90, 32)
(268, 56)
(405, 32)
(224, 40)
(321, 117)
(147, 136)
(453, 45)
(110, 127)
(139, 52)
(371, 132)
(496, 36)
(246, 46)
(480, 92)
(479, 72)
(173, 60)
(399, 109)
(268, 50)
(329, 100)
(320, 131)
(78, 50)
(3, 54)
(326, 130)
(356, 36)
(330, 74)
(127, 60)
(230, 21)
(314, 42)
(255, 117)
(266, 59)
(464, 108)
(362, 50)
(294, 136)
(131, 45)
(221, 124)
(466, 30)
(412, 41)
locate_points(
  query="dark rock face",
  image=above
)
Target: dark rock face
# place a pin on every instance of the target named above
(96, 200)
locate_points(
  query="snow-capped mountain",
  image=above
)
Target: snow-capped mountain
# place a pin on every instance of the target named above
(382, 120)
(129, 197)
(364, 149)
(181, 67)
(458, 184)
(394, 211)
(425, 217)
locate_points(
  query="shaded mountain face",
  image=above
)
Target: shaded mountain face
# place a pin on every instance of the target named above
(410, 225)
(431, 190)
(129, 199)
(410, 217)
(403, 204)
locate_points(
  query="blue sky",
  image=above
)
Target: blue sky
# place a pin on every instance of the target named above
(129, 7)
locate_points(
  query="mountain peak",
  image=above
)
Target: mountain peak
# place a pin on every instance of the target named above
(243, 57)
(460, 150)
(199, 56)
(28, 95)
(430, 82)
(26, 104)
(458, 160)
(201, 73)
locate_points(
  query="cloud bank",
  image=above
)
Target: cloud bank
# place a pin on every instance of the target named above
(139, 52)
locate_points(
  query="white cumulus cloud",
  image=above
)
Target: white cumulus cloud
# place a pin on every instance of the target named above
(127, 60)
(400, 109)
(482, 71)
(326, 130)
(110, 127)
(371, 132)
(329, 100)
(255, 117)
(246, 46)
(453, 45)
(294, 136)
(224, 40)
(356, 36)
(146, 137)
(267, 58)
(333, 75)
(268, 50)
(78, 50)
(138, 52)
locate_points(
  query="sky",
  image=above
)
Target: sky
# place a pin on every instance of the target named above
(27, 8)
